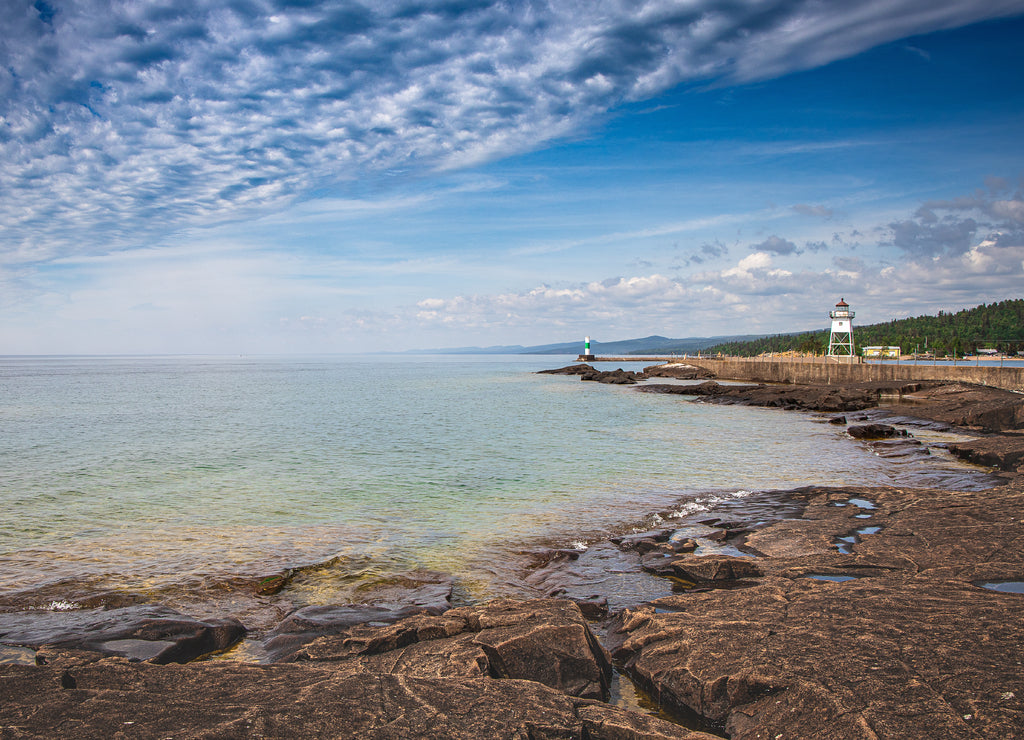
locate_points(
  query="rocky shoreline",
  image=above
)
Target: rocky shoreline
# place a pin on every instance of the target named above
(846, 612)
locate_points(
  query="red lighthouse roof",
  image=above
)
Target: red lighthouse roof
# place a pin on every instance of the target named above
(842, 304)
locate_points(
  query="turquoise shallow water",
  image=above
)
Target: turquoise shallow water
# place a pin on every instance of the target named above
(173, 475)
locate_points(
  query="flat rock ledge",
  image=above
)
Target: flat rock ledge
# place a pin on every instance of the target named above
(880, 613)
(505, 669)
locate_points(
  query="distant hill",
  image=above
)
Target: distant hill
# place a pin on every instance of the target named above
(643, 346)
(997, 326)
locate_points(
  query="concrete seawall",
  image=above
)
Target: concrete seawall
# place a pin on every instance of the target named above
(817, 371)
(825, 373)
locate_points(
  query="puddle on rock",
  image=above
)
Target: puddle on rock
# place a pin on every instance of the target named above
(1005, 587)
(862, 503)
(845, 544)
(833, 579)
(869, 530)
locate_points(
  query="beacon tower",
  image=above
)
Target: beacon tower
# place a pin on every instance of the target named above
(840, 339)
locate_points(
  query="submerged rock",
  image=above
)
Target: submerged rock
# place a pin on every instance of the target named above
(151, 633)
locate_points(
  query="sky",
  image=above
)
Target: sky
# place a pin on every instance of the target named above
(293, 176)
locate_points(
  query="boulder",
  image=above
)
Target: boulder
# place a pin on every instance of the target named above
(715, 568)
(872, 431)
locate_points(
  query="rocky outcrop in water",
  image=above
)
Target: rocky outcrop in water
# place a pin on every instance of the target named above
(589, 373)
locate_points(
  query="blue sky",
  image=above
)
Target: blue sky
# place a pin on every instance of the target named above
(264, 176)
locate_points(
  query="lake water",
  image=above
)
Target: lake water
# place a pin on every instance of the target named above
(177, 478)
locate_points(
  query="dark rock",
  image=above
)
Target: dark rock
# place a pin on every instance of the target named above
(837, 420)
(632, 541)
(1003, 452)
(386, 601)
(804, 398)
(613, 377)
(151, 633)
(687, 545)
(589, 373)
(595, 608)
(678, 370)
(872, 431)
(580, 369)
(311, 622)
(715, 568)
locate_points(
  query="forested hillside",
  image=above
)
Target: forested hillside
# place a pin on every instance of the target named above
(998, 326)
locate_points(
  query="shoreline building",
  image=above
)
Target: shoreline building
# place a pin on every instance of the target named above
(840, 338)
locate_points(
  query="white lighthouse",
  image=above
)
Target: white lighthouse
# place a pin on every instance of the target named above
(840, 339)
(586, 356)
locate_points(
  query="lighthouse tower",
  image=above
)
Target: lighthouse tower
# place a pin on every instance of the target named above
(840, 339)
(587, 356)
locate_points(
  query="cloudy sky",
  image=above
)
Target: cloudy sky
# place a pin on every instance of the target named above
(279, 176)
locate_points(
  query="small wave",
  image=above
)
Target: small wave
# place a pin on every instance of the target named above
(61, 606)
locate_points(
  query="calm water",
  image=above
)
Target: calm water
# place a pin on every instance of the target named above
(174, 477)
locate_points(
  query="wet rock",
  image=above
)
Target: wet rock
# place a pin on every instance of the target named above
(632, 541)
(872, 431)
(687, 545)
(659, 563)
(273, 584)
(151, 633)
(386, 601)
(603, 572)
(895, 448)
(311, 622)
(837, 420)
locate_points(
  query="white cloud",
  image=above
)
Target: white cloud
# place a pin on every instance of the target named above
(122, 122)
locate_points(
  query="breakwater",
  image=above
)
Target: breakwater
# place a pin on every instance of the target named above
(823, 371)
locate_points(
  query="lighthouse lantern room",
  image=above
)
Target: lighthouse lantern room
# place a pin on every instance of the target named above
(840, 339)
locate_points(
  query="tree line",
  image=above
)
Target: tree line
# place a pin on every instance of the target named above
(995, 326)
